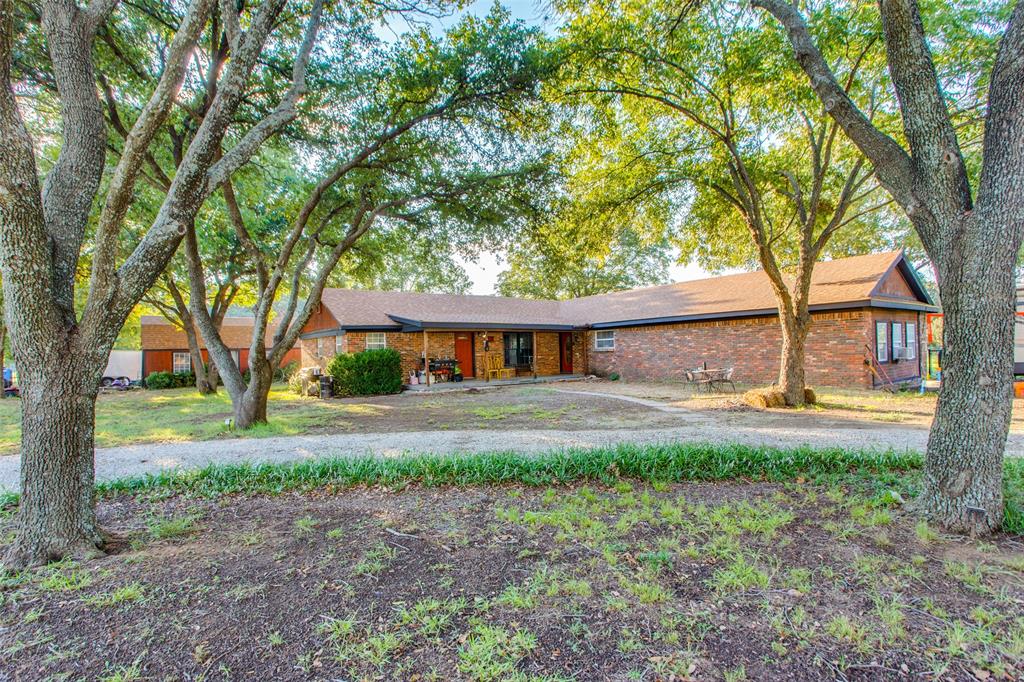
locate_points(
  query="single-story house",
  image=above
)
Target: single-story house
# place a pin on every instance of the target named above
(165, 345)
(868, 313)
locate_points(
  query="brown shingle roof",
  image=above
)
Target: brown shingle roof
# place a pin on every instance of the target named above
(361, 308)
(841, 281)
(158, 333)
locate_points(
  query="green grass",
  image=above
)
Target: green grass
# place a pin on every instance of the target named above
(678, 462)
(661, 463)
(183, 415)
(656, 463)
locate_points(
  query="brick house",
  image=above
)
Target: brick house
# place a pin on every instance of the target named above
(165, 345)
(868, 325)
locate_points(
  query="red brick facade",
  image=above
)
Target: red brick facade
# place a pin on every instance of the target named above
(441, 344)
(731, 324)
(836, 348)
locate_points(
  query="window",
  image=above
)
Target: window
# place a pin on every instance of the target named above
(339, 344)
(236, 355)
(605, 341)
(911, 341)
(319, 346)
(897, 341)
(181, 363)
(376, 340)
(882, 341)
(518, 349)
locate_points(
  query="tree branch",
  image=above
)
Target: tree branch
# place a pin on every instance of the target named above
(283, 113)
(891, 162)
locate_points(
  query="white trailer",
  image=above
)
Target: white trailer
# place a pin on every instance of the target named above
(123, 364)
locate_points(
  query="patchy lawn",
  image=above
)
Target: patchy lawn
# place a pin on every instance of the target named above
(184, 415)
(618, 579)
(907, 408)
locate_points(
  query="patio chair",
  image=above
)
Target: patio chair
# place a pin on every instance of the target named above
(725, 377)
(496, 368)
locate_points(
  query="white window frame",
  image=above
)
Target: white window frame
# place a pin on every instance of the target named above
(320, 346)
(604, 340)
(175, 357)
(898, 340)
(236, 355)
(379, 342)
(911, 345)
(339, 344)
(882, 344)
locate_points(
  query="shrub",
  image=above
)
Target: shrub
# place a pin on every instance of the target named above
(614, 376)
(286, 372)
(295, 383)
(371, 372)
(162, 380)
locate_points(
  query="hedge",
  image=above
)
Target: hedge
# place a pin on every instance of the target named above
(160, 380)
(371, 372)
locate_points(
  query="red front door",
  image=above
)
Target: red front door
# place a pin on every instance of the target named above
(565, 351)
(464, 352)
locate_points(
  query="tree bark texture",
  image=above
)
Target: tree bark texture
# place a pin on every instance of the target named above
(56, 512)
(60, 355)
(251, 408)
(973, 242)
(963, 468)
(792, 381)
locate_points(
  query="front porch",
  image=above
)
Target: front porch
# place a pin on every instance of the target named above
(501, 356)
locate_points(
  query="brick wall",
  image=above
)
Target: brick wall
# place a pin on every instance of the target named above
(753, 346)
(898, 370)
(442, 344)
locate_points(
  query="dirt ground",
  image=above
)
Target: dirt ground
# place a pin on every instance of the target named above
(865, 407)
(636, 582)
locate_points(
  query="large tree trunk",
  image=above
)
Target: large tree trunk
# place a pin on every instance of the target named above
(56, 512)
(791, 370)
(203, 383)
(963, 469)
(251, 408)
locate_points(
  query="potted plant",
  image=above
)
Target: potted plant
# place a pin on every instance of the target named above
(457, 374)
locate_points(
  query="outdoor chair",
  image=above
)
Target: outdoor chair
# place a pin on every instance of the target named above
(496, 368)
(723, 378)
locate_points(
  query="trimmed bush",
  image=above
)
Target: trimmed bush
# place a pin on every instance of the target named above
(162, 380)
(371, 372)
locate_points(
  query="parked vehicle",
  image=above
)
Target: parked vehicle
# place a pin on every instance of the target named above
(10, 390)
(124, 366)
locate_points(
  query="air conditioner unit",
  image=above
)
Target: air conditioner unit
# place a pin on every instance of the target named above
(900, 354)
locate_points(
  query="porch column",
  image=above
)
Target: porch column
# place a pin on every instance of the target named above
(426, 357)
(535, 354)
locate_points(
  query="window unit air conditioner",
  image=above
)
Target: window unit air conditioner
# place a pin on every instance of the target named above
(900, 354)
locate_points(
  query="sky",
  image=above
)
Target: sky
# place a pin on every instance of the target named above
(483, 272)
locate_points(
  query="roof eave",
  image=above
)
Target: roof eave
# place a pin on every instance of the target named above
(767, 312)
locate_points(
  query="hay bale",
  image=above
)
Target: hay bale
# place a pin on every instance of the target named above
(755, 398)
(810, 397)
(763, 398)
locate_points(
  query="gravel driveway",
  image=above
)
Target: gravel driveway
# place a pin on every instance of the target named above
(119, 462)
(112, 463)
